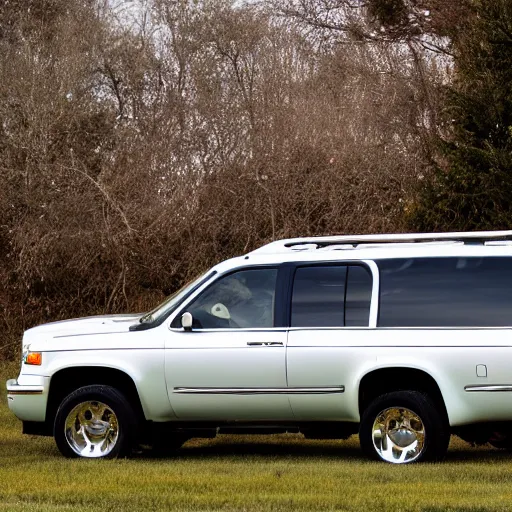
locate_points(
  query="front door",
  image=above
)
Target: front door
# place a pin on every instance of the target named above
(232, 364)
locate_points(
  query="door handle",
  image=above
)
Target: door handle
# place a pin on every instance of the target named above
(265, 343)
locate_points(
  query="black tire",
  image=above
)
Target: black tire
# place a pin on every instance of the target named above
(434, 426)
(116, 412)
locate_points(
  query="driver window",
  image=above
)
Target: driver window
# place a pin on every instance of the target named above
(244, 299)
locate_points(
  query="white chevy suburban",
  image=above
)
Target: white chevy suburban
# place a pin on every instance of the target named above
(404, 339)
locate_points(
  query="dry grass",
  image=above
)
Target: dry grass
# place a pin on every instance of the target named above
(249, 473)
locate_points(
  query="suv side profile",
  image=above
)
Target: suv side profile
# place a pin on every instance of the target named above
(404, 339)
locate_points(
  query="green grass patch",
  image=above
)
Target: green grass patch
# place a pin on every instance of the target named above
(247, 473)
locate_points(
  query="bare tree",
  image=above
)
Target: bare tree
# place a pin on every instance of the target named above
(137, 149)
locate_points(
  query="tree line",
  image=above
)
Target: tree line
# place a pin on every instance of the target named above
(141, 142)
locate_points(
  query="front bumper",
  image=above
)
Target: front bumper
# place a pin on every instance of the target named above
(28, 399)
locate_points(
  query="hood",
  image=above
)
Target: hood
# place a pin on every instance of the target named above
(80, 326)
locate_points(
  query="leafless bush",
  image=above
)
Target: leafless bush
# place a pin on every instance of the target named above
(135, 155)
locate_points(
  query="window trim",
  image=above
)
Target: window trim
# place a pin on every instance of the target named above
(374, 301)
(441, 327)
(282, 302)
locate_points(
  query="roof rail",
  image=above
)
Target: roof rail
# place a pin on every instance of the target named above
(319, 242)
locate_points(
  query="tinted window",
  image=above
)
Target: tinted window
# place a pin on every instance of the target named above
(358, 296)
(244, 299)
(319, 296)
(444, 292)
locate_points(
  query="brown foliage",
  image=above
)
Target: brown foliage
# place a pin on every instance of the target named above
(134, 156)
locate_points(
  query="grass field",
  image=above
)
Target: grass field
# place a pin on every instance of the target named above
(249, 473)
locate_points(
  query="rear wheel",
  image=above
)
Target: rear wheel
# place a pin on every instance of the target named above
(403, 427)
(95, 422)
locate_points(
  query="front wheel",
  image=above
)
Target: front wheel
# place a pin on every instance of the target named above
(95, 422)
(403, 427)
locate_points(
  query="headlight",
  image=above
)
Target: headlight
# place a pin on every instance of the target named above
(24, 353)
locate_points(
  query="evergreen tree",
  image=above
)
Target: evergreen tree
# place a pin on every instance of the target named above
(472, 184)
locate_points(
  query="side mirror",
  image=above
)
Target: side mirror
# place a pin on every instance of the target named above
(186, 321)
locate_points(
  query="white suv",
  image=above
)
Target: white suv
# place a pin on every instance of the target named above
(402, 338)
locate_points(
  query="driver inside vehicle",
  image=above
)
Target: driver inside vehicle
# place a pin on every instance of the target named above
(244, 299)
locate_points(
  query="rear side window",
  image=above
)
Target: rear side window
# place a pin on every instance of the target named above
(318, 298)
(331, 296)
(445, 292)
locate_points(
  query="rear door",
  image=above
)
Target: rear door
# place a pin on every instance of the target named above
(330, 310)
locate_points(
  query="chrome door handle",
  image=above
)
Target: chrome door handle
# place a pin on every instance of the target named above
(265, 343)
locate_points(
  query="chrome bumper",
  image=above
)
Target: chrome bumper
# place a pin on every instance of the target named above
(13, 388)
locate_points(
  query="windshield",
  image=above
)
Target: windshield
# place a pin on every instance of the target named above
(167, 307)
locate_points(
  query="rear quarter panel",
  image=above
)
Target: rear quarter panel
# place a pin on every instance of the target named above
(334, 357)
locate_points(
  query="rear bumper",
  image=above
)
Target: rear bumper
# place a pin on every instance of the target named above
(28, 400)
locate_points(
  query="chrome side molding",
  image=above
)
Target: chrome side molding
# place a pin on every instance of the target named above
(259, 391)
(492, 388)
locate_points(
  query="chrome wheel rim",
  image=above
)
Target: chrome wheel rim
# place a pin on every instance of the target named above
(92, 429)
(398, 435)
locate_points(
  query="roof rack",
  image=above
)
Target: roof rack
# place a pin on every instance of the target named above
(352, 241)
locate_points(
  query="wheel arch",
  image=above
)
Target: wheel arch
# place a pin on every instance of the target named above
(399, 378)
(66, 380)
